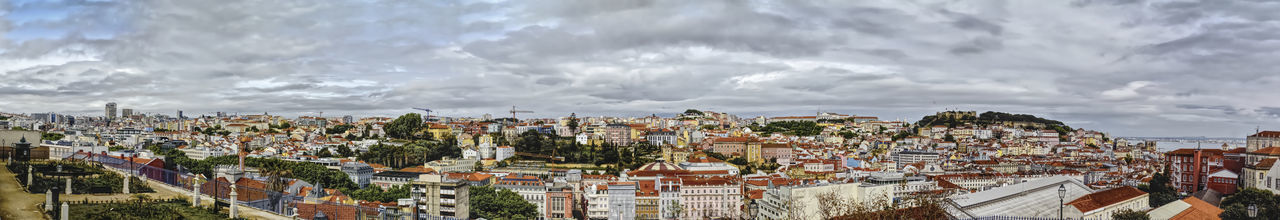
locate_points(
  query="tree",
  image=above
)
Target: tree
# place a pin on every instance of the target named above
(738, 161)
(1129, 214)
(490, 203)
(282, 125)
(375, 193)
(718, 156)
(573, 125)
(848, 135)
(1161, 190)
(338, 129)
(51, 136)
(324, 153)
(692, 112)
(404, 127)
(277, 172)
(1236, 206)
(345, 151)
(798, 128)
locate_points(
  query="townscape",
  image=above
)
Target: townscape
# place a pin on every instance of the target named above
(692, 165)
(639, 109)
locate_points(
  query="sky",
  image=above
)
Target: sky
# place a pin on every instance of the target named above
(1127, 67)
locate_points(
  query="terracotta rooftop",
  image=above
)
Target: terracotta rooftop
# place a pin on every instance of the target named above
(1274, 151)
(1192, 151)
(1105, 198)
(1266, 134)
(1198, 210)
(1265, 163)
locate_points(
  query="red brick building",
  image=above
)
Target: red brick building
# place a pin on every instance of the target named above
(1190, 168)
(1223, 181)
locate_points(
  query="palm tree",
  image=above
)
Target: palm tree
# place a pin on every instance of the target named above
(276, 174)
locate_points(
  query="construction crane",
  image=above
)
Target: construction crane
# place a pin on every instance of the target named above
(514, 111)
(428, 112)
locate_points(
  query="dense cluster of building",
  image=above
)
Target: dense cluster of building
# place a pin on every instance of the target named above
(979, 169)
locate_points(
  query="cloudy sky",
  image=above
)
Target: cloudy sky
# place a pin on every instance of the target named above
(1129, 67)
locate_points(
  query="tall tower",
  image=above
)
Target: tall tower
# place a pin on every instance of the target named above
(111, 110)
(128, 112)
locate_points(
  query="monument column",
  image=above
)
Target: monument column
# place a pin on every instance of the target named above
(48, 200)
(234, 205)
(65, 211)
(195, 191)
(28, 177)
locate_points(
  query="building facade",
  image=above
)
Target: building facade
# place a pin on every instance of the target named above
(710, 197)
(1262, 139)
(618, 134)
(436, 196)
(531, 188)
(360, 173)
(1189, 168)
(559, 202)
(111, 110)
(622, 200)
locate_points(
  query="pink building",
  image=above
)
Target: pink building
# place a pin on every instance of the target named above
(781, 152)
(714, 197)
(618, 134)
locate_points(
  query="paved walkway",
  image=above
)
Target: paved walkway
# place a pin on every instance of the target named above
(16, 203)
(167, 191)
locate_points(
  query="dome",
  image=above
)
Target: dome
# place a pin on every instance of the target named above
(659, 166)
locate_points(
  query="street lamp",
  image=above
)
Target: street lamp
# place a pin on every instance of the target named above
(1253, 211)
(1062, 196)
(754, 209)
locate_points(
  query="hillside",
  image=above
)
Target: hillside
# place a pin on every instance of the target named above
(955, 119)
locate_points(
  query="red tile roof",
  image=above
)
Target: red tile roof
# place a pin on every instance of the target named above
(335, 212)
(1198, 210)
(1105, 198)
(1265, 163)
(1266, 134)
(1274, 151)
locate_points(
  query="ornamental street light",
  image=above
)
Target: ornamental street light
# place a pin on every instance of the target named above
(754, 209)
(1062, 196)
(1253, 211)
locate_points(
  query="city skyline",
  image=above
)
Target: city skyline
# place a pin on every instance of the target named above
(1133, 68)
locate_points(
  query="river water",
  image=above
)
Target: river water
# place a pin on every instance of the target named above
(1166, 146)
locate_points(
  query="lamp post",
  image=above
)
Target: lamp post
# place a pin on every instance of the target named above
(1062, 196)
(1253, 211)
(754, 209)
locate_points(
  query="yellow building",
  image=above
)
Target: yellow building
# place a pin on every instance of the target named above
(438, 131)
(753, 152)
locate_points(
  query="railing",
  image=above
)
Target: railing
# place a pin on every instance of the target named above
(1027, 218)
(275, 202)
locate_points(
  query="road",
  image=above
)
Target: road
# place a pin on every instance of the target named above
(16, 203)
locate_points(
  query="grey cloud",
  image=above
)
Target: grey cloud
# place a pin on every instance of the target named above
(1224, 108)
(896, 58)
(969, 22)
